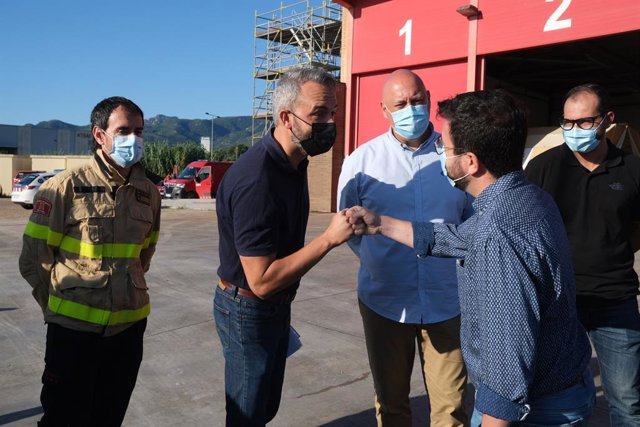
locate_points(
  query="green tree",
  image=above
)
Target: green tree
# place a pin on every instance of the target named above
(230, 153)
(185, 153)
(159, 157)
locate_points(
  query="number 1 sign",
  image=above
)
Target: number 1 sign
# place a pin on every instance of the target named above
(407, 33)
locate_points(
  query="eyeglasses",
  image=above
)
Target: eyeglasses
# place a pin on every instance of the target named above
(440, 148)
(321, 116)
(585, 123)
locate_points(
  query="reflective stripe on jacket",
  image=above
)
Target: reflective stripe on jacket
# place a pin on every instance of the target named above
(87, 245)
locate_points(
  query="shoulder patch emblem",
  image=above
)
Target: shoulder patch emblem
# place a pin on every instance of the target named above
(42, 207)
(143, 197)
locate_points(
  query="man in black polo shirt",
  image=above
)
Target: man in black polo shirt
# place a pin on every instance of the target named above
(597, 188)
(263, 207)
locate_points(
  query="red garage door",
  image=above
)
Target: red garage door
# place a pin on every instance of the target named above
(443, 81)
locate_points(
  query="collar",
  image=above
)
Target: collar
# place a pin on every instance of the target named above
(112, 176)
(502, 184)
(277, 154)
(432, 136)
(613, 158)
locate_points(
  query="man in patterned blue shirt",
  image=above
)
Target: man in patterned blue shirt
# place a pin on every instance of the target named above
(526, 353)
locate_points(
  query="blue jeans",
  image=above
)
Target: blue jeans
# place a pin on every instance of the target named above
(615, 334)
(254, 335)
(570, 407)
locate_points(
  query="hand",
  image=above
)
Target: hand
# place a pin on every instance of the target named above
(363, 221)
(339, 229)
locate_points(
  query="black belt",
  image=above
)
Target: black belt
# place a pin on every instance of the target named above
(281, 298)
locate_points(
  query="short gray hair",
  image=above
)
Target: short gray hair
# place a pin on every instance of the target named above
(286, 94)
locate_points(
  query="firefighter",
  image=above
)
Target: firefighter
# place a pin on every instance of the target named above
(86, 248)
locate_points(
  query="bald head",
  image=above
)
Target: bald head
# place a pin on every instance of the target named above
(404, 88)
(402, 84)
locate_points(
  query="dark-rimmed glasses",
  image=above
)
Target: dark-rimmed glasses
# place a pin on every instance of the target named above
(585, 123)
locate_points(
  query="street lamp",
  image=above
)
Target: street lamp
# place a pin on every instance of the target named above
(213, 116)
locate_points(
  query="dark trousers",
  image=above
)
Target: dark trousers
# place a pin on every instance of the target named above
(88, 379)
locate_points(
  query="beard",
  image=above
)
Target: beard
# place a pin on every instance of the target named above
(463, 183)
(296, 142)
(298, 135)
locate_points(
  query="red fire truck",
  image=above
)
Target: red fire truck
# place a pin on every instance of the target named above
(199, 179)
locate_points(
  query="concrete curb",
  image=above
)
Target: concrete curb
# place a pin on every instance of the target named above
(195, 204)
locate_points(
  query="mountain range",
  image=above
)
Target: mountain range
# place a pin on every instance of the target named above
(227, 131)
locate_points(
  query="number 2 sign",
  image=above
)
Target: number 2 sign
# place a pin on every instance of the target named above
(390, 34)
(509, 25)
(554, 22)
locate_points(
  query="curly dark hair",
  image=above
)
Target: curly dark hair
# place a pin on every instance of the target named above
(102, 111)
(491, 124)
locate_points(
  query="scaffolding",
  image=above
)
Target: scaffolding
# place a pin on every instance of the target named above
(305, 32)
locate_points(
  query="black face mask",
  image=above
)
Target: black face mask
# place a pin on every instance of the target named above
(323, 136)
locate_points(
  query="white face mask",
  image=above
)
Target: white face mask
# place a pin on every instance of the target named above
(126, 150)
(443, 164)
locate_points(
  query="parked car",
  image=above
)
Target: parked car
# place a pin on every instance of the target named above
(22, 174)
(198, 180)
(25, 190)
(160, 187)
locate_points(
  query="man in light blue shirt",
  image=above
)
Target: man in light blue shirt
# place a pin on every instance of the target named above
(404, 299)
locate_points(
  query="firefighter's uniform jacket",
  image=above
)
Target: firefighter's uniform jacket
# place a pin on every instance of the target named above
(87, 245)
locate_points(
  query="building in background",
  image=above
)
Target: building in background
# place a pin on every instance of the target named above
(30, 140)
(205, 142)
(536, 49)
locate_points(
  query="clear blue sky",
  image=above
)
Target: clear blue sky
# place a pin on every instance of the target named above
(58, 58)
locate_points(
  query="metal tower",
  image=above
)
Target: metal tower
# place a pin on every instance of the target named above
(304, 32)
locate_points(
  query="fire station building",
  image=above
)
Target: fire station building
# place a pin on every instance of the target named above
(536, 49)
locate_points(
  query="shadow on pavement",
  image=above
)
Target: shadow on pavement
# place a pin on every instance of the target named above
(19, 415)
(419, 410)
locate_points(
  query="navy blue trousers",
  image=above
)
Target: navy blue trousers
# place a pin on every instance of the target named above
(88, 379)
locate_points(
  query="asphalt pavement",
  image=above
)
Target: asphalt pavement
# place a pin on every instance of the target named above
(181, 380)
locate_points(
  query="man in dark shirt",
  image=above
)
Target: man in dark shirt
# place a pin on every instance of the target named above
(526, 353)
(263, 206)
(597, 188)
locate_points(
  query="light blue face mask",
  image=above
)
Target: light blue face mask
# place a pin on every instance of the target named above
(581, 140)
(411, 121)
(126, 150)
(443, 165)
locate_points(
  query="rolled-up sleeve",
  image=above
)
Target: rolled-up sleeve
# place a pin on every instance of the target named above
(441, 240)
(422, 238)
